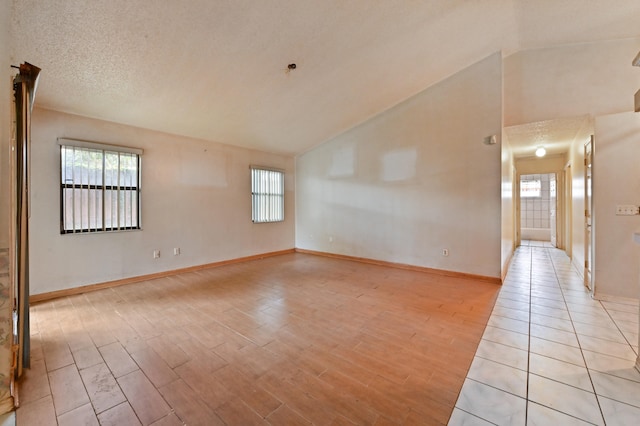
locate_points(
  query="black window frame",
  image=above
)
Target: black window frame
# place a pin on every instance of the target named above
(103, 188)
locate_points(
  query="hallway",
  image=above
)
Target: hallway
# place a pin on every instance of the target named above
(550, 354)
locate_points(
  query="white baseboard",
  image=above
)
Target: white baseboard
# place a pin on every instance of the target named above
(616, 299)
(579, 268)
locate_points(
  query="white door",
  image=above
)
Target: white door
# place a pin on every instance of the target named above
(553, 208)
(588, 223)
(568, 213)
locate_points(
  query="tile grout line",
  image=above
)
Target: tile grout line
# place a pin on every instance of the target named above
(488, 385)
(616, 324)
(526, 409)
(555, 272)
(73, 357)
(84, 385)
(117, 382)
(46, 373)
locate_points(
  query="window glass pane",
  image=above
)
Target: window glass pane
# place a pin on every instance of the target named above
(127, 213)
(76, 173)
(82, 209)
(80, 217)
(111, 165)
(67, 165)
(87, 204)
(95, 167)
(95, 208)
(128, 170)
(67, 208)
(81, 166)
(267, 195)
(530, 188)
(110, 209)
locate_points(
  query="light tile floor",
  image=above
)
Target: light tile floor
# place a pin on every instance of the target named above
(550, 354)
(8, 419)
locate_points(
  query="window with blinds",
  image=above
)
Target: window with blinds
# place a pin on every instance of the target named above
(267, 195)
(99, 187)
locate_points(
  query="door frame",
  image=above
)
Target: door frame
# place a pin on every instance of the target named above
(568, 212)
(555, 234)
(560, 211)
(516, 207)
(589, 220)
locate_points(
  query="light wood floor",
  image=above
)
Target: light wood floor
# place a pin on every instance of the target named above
(293, 339)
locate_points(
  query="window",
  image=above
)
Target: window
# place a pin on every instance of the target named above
(99, 187)
(267, 195)
(530, 188)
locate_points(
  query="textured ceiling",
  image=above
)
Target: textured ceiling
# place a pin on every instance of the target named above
(556, 136)
(217, 70)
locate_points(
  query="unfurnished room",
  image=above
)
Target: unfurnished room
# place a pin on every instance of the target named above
(319, 212)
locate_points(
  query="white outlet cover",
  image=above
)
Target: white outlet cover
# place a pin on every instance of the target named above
(627, 210)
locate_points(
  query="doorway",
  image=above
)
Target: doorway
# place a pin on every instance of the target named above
(538, 206)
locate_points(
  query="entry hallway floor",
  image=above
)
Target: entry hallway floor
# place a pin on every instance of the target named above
(294, 339)
(551, 355)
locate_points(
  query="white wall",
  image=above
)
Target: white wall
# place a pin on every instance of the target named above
(616, 180)
(535, 165)
(508, 206)
(569, 81)
(195, 196)
(413, 180)
(576, 160)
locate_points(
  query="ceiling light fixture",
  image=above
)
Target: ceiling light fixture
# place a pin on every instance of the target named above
(290, 67)
(540, 152)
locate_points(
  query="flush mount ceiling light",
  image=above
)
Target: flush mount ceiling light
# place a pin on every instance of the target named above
(540, 152)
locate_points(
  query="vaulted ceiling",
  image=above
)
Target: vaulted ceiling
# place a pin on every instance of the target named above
(218, 69)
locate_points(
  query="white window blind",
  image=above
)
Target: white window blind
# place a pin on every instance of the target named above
(99, 187)
(267, 195)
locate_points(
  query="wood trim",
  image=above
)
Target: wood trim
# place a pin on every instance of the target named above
(443, 272)
(99, 286)
(35, 298)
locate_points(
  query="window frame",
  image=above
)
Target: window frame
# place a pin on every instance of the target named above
(103, 187)
(262, 208)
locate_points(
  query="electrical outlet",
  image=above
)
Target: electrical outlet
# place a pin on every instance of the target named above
(156, 254)
(176, 251)
(445, 252)
(627, 210)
